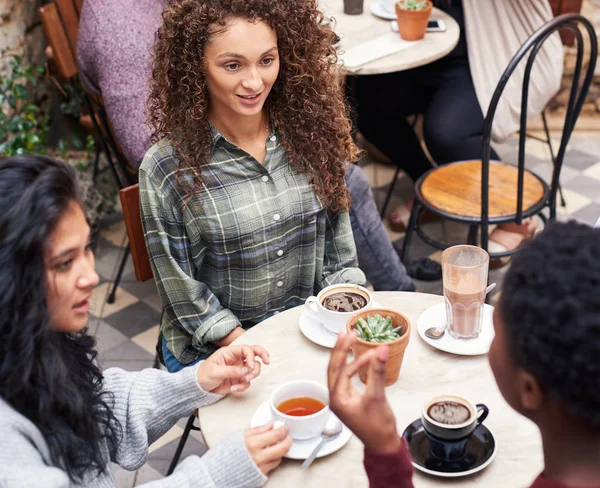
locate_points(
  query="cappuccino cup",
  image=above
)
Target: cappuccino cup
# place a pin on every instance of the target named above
(449, 421)
(335, 304)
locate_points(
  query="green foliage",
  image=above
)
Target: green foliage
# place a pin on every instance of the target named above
(377, 329)
(412, 4)
(23, 128)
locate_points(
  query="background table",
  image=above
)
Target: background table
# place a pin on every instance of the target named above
(357, 29)
(425, 373)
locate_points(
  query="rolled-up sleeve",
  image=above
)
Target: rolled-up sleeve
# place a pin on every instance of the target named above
(189, 304)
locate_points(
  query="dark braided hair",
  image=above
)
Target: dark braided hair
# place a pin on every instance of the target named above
(49, 377)
(550, 305)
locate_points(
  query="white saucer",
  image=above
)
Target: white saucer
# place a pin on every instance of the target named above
(302, 449)
(435, 316)
(378, 11)
(316, 332)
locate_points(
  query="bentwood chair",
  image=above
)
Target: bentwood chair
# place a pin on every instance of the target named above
(130, 201)
(60, 20)
(484, 192)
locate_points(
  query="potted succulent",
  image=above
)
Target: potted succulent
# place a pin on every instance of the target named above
(381, 326)
(413, 16)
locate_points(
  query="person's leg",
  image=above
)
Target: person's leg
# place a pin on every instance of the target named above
(376, 256)
(380, 105)
(171, 362)
(453, 125)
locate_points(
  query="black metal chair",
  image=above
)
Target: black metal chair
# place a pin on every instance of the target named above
(462, 192)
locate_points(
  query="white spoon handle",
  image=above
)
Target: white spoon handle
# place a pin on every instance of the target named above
(308, 461)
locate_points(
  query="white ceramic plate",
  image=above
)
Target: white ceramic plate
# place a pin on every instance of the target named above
(435, 316)
(302, 449)
(316, 332)
(378, 11)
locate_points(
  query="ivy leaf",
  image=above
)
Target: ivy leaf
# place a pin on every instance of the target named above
(21, 92)
(40, 70)
(12, 100)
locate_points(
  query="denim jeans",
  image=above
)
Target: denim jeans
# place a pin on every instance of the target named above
(376, 256)
(171, 362)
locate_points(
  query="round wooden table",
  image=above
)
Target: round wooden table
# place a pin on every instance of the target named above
(425, 372)
(358, 29)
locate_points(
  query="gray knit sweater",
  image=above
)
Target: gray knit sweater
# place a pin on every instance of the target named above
(147, 404)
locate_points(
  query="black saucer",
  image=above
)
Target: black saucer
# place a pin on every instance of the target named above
(479, 452)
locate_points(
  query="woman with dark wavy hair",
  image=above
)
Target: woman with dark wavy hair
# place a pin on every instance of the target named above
(243, 196)
(63, 419)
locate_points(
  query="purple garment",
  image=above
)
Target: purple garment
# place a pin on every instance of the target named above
(114, 51)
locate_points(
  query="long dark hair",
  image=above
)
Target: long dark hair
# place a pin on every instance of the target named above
(49, 377)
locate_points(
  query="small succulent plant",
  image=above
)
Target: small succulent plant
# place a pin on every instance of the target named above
(412, 4)
(377, 329)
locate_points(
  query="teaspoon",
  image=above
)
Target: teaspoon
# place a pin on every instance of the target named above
(332, 430)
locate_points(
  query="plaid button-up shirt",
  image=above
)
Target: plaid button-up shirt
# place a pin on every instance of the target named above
(255, 241)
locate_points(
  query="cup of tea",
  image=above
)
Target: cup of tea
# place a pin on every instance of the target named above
(449, 421)
(334, 305)
(465, 276)
(303, 406)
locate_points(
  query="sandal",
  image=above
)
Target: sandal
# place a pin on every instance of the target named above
(399, 224)
(508, 237)
(424, 269)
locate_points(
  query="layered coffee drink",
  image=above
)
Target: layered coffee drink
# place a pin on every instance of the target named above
(464, 306)
(344, 301)
(449, 412)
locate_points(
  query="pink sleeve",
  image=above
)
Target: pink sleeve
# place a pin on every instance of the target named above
(389, 470)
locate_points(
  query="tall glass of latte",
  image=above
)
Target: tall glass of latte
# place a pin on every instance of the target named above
(465, 275)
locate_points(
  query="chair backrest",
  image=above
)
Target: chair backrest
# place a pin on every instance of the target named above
(130, 201)
(59, 40)
(573, 22)
(70, 20)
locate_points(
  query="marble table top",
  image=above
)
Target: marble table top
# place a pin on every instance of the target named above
(425, 372)
(358, 29)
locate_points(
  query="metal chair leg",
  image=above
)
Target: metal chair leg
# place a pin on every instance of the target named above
(111, 297)
(472, 237)
(188, 427)
(563, 203)
(414, 214)
(389, 193)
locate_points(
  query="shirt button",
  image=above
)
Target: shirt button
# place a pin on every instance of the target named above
(280, 284)
(272, 138)
(276, 217)
(265, 178)
(280, 253)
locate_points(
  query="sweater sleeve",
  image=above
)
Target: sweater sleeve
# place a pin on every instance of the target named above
(147, 403)
(389, 470)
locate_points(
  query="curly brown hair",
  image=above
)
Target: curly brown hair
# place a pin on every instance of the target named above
(306, 102)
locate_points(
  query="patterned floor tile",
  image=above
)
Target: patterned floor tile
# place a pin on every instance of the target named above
(172, 434)
(99, 306)
(123, 478)
(161, 458)
(155, 302)
(593, 171)
(574, 202)
(116, 234)
(583, 185)
(146, 474)
(134, 319)
(128, 351)
(127, 365)
(545, 170)
(379, 174)
(140, 289)
(589, 214)
(579, 159)
(107, 337)
(147, 340)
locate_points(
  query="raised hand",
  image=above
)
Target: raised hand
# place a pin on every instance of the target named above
(231, 368)
(369, 414)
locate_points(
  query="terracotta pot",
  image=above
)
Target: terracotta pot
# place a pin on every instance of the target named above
(413, 23)
(396, 348)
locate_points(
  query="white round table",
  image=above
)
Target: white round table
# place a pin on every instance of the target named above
(357, 29)
(425, 372)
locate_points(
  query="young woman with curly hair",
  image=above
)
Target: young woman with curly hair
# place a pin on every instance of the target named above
(243, 197)
(63, 418)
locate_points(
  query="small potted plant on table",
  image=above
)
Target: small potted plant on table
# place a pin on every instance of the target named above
(413, 16)
(381, 326)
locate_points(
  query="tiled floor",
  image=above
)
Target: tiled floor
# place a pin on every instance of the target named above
(127, 330)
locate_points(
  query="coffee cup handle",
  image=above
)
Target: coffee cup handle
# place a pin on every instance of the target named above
(310, 305)
(482, 412)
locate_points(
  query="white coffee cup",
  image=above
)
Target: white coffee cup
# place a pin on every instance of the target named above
(308, 426)
(335, 321)
(388, 6)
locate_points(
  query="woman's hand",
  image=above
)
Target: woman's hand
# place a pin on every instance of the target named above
(231, 368)
(267, 445)
(368, 415)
